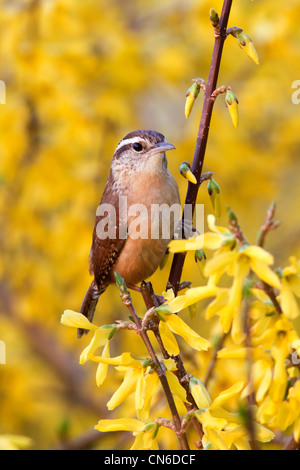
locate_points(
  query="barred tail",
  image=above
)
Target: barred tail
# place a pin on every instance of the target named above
(89, 305)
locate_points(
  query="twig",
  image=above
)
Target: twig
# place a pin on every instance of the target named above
(149, 299)
(212, 364)
(269, 225)
(202, 138)
(271, 294)
(126, 299)
(235, 228)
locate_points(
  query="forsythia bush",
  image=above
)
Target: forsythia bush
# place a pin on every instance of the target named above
(255, 313)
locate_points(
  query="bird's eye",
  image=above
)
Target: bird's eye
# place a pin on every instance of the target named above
(137, 147)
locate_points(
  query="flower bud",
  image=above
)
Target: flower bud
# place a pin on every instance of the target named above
(232, 102)
(200, 394)
(191, 96)
(214, 192)
(146, 362)
(119, 280)
(186, 172)
(152, 427)
(214, 18)
(231, 215)
(161, 311)
(200, 259)
(192, 311)
(246, 43)
(111, 333)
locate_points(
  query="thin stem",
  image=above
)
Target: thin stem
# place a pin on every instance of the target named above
(160, 372)
(200, 149)
(269, 225)
(212, 364)
(149, 299)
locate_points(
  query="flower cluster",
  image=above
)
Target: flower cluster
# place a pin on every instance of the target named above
(268, 300)
(254, 307)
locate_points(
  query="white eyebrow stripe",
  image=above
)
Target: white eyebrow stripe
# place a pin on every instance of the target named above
(131, 140)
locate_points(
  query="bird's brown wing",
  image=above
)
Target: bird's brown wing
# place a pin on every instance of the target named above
(105, 251)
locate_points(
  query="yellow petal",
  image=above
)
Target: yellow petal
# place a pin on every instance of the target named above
(124, 359)
(126, 388)
(170, 364)
(232, 353)
(168, 339)
(258, 253)
(179, 327)
(233, 109)
(144, 441)
(227, 395)
(263, 434)
(209, 421)
(220, 262)
(211, 222)
(230, 417)
(288, 302)
(252, 52)
(242, 444)
(175, 386)
(140, 391)
(199, 393)
(215, 439)
(212, 241)
(189, 103)
(195, 243)
(191, 297)
(237, 329)
(169, 294)
(233, 435)
(279, 382)
(76, 320)
(191, 177)
(294, 282)
(260, 294)
(297, 430)
(102, 368)
(241, 269)
(265, 273)
(99, 339)
(152, 386)
(216, 305)
(264, 385)
(121, 424)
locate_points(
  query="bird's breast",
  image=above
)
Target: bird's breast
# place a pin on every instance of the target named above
(153, 211)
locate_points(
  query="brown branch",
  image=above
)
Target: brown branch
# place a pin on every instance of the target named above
(212, 364)
(269, 225)
(202, 138)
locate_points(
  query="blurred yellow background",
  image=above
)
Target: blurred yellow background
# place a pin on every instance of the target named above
(79, 75)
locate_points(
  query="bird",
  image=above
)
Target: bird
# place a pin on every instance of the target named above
(139, 178)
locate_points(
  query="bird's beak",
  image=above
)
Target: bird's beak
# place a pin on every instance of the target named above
(161, 147)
